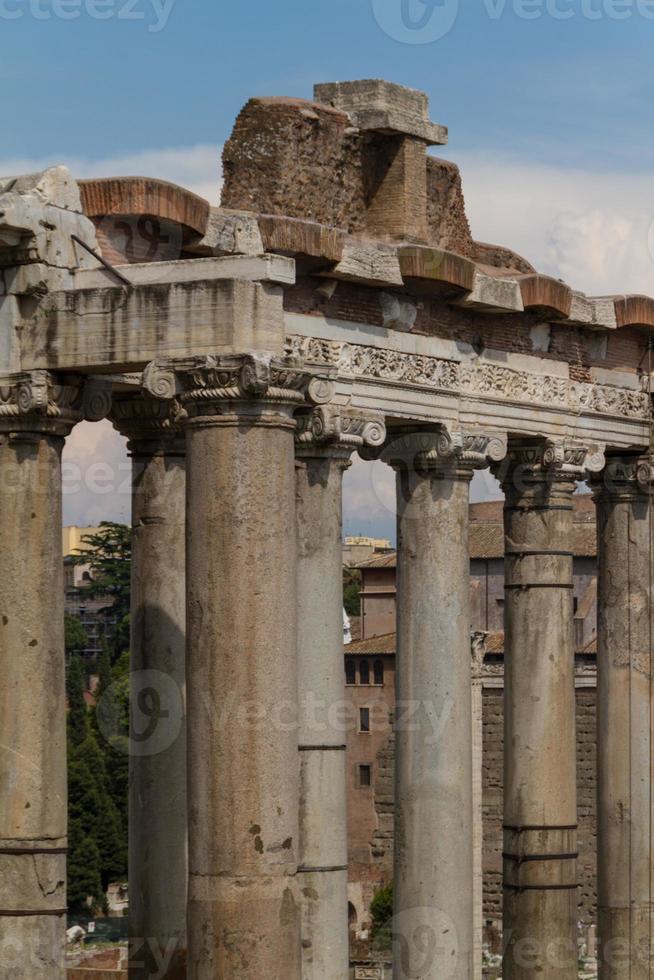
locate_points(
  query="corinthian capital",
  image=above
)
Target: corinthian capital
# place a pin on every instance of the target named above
(216, 384)
(39, 401)
(441, 449)
(330, 429)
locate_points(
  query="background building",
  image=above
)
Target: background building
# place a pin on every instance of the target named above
(370, 677)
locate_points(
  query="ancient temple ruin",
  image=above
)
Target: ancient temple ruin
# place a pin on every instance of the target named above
(336, 303)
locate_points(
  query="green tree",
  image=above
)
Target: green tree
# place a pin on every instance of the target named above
(351, 590)
(381, 913)
(78, 725)
(111, 724)
(108, 553)
(76, 636)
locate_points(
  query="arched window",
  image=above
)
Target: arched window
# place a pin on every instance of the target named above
(378, 672)
(364, 672)
(350, 671)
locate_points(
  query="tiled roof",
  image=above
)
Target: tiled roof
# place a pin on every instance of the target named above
(486, 533)
(387, 643)
(375, 644)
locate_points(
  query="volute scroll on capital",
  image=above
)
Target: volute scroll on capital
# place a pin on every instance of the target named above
(443, 450)
(52, 404)
(546, 460)
(217, 383)
(337, 430)
(625, 476)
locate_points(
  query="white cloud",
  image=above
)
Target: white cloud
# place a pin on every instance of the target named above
(198, 168)
(592, 229)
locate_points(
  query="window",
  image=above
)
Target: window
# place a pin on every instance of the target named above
(364, 672)
(378, 672)
(364, 720)
(365, 775)
(350, 671)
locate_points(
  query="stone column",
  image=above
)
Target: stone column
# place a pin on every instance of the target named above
(37, 411)
(433, 923)
(324, 444)
(478, 652)
(624, 720)
(158, 853)
(540, 794)
(243, 766)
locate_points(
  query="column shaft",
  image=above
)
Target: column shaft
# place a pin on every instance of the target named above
(323, 811)
(540, 817)
(158, 854)
(243, 916)
(624, 723)
(433, 876)
(33, 796)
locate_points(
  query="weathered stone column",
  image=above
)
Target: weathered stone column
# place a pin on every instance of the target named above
(433, 923)
(324, 443)
(243, 766)
(624, 720)
(478, 645)
(540, 794)
(158, 853)
(36, 413)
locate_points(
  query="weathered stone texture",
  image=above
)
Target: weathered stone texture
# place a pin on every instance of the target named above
(296, 158)
(446, 216)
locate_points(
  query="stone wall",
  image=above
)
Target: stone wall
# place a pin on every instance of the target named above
(381, 842)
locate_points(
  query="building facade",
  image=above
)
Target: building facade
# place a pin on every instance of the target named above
(370, 679)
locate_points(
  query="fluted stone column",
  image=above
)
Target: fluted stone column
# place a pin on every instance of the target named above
(624, 720)
(324, 444)
(36, 412)
(433, 922)
(158, 852)
(243, 765)
(540, 805)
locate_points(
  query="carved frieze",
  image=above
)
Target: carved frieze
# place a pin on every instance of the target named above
(480, 379)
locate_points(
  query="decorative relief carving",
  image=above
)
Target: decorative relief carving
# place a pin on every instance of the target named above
(440, 448)
(238, 377)
(43, 402)
(549, 458)
(479, 379)
(332, 426)
(625, 476)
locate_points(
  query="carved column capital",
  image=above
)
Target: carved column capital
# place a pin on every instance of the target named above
(226, 388)
(624, 478)
(151, 425)
(442, 451)
(478, 641)
(550, 461)
(336, 432)
(50, 404)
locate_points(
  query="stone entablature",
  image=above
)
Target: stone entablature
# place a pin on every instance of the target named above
(337, 301)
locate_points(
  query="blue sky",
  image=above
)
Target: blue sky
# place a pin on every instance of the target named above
(577, 89)
(549, 105)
